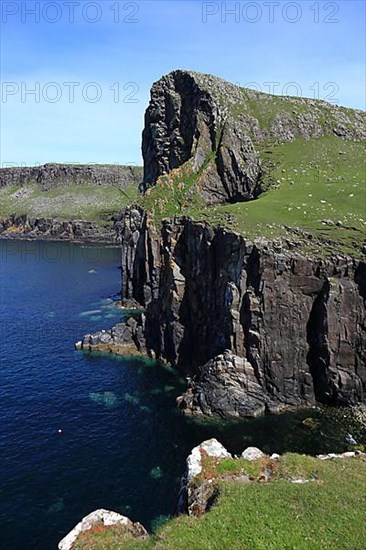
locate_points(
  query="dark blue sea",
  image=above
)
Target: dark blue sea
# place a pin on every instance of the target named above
(85, 431)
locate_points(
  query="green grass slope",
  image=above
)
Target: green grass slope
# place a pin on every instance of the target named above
(75, 202)
(316, 186)
(328, 511)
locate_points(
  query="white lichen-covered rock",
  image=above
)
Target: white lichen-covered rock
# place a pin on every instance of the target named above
(194, 500)
(275, 456)
(101, 517)
(347, 454)
(252, 453)
(211, 447)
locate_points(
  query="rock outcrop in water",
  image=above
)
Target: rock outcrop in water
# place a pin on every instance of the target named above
(125, 338)
(256, 328)
(193, 117)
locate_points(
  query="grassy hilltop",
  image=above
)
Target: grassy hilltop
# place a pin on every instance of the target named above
(313, 170)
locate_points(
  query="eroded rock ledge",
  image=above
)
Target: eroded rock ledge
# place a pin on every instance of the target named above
(125, 338)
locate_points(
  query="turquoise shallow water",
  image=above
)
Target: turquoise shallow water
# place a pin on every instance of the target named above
(122, 443)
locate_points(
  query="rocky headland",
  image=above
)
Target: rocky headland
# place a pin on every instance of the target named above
(217, 130)
(256, 324)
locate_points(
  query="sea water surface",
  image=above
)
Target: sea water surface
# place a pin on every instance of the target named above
(85, 431)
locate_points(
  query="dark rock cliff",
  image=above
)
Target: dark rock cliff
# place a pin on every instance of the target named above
(256, 328)
(192, 117)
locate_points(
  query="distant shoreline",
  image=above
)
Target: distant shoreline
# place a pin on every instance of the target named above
(48, 229)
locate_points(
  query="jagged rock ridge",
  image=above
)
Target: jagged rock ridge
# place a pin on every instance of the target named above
(193, 118)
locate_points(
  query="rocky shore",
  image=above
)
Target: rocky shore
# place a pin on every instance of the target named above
(25, 227)
(52, 188)
(256, 329)
(256, 325)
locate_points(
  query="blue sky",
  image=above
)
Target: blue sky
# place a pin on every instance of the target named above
(110, 52)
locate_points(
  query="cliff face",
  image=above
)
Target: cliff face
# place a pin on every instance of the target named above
(193, 117)
(55, 175)
(184, 123)
(256, 328)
